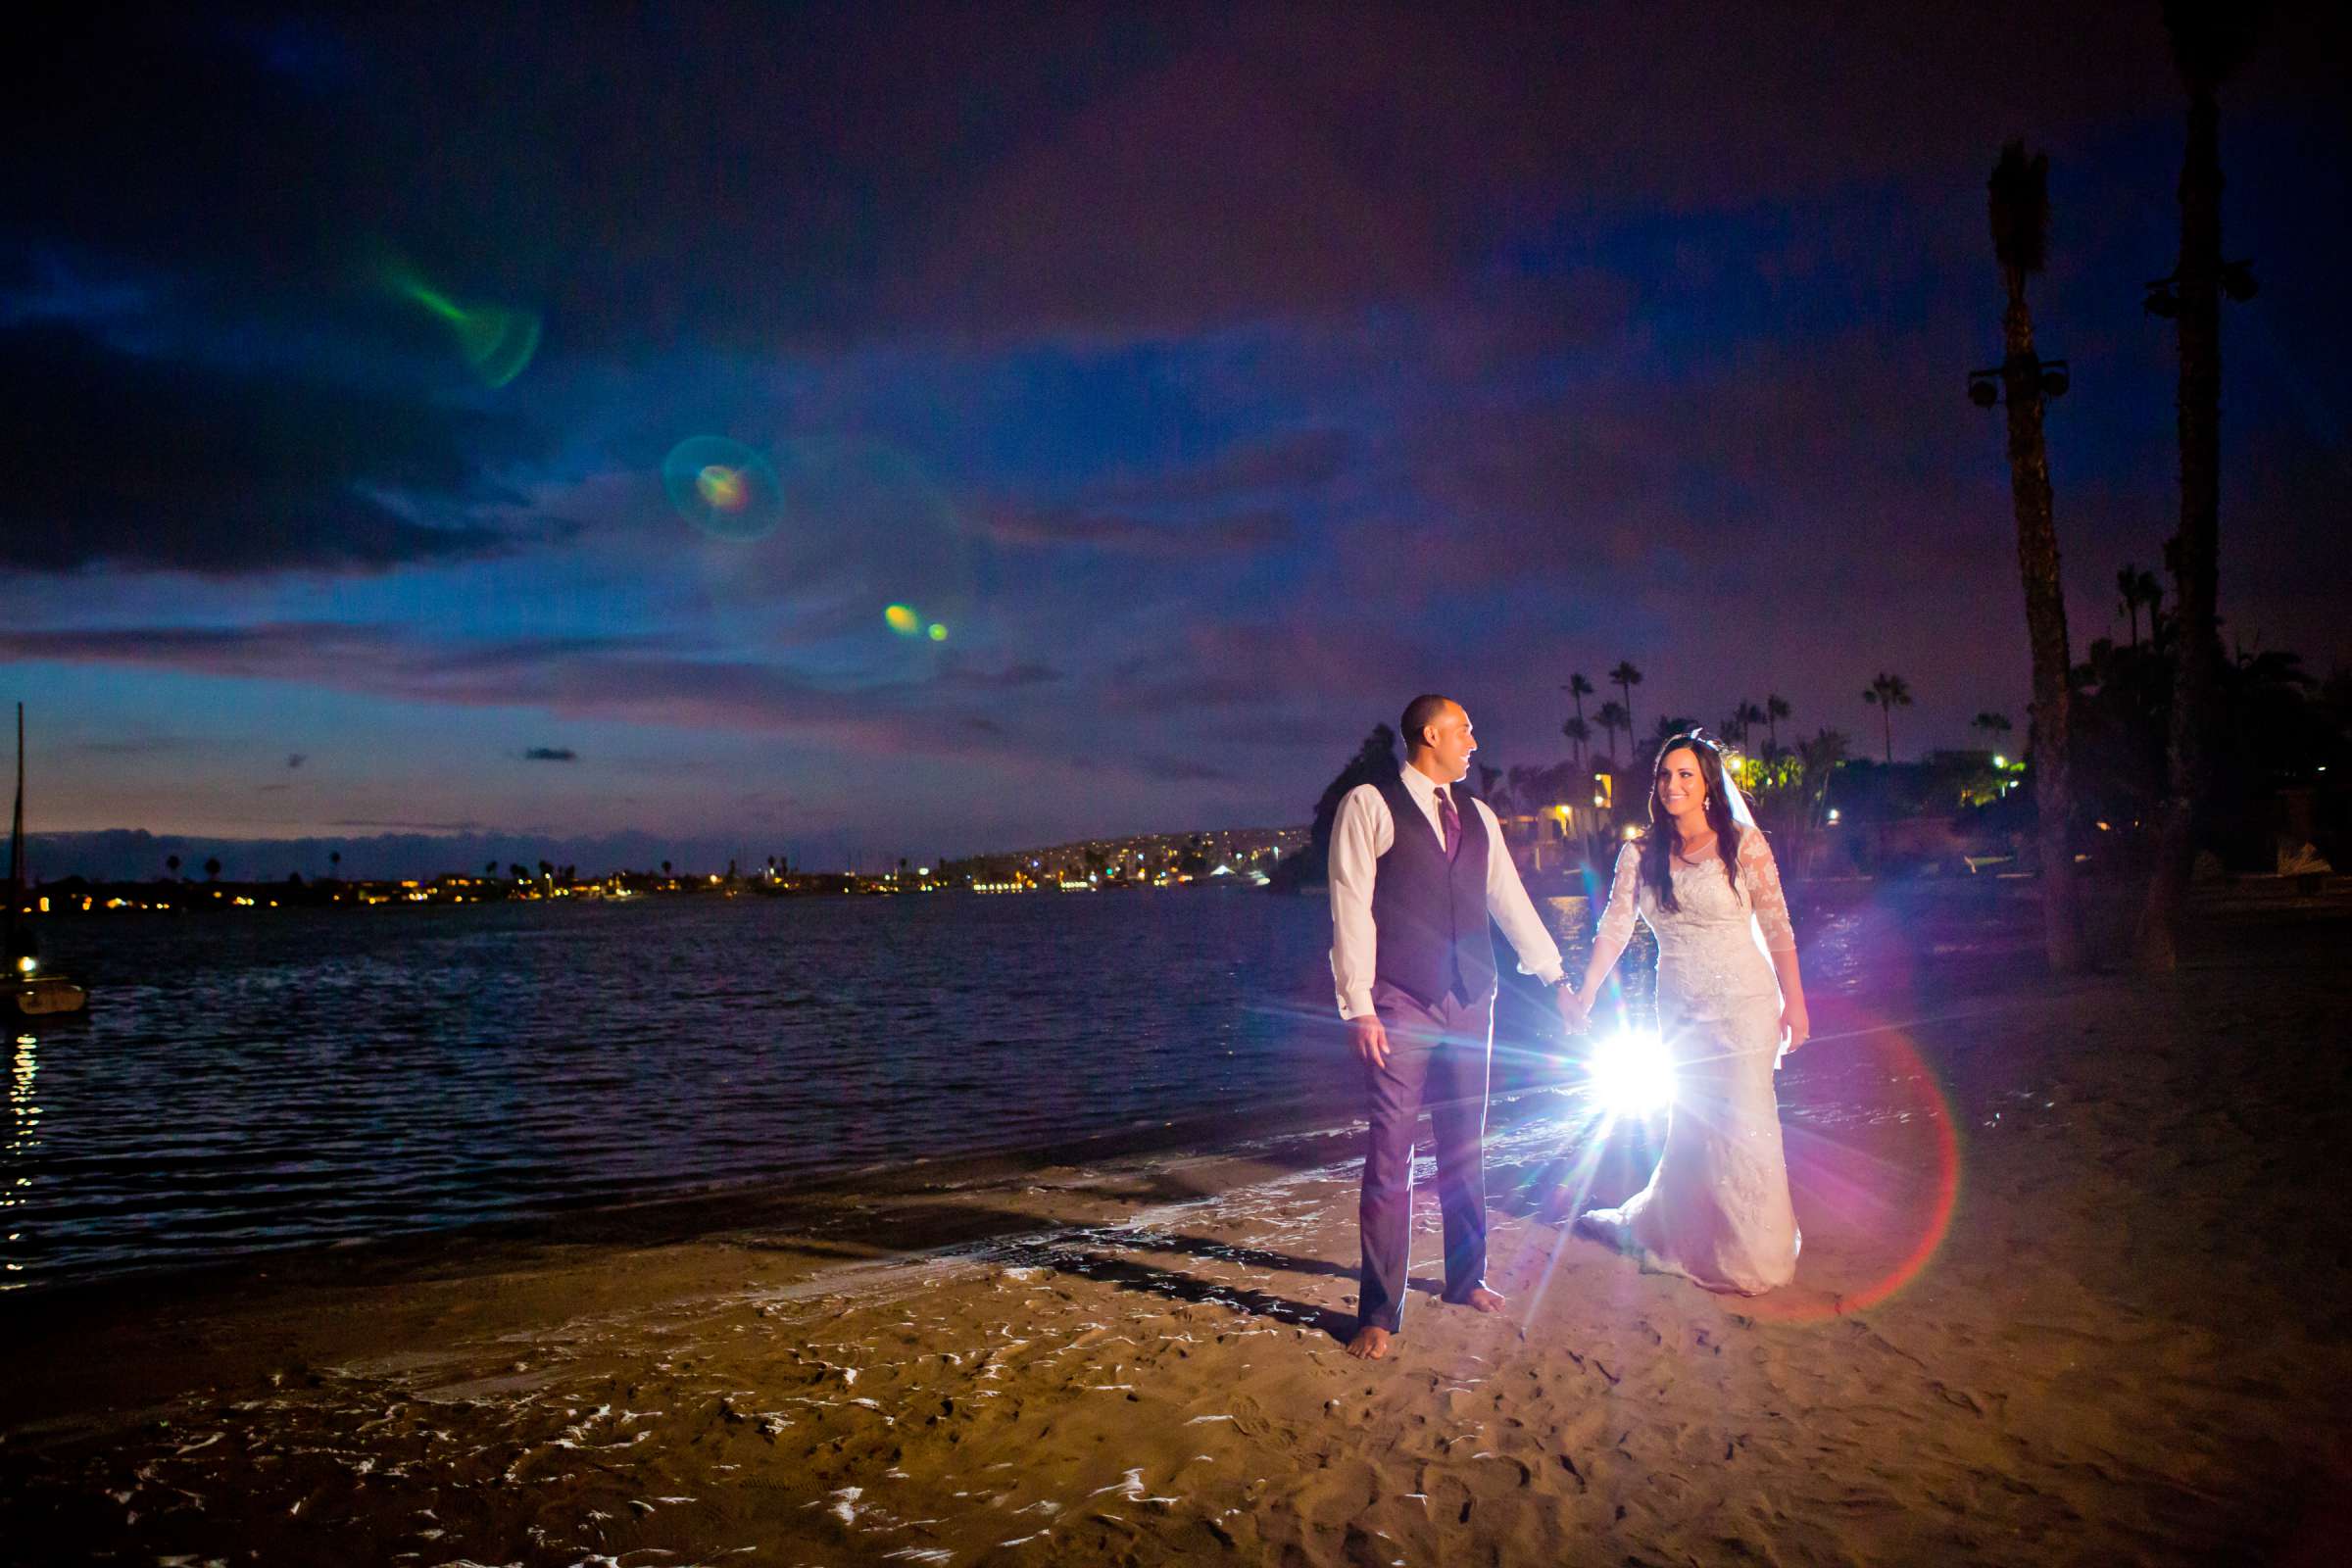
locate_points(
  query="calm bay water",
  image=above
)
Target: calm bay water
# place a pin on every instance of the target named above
(284, 1078)
(280, 1078)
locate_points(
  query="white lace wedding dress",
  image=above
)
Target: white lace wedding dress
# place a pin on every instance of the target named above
(1716, 1208)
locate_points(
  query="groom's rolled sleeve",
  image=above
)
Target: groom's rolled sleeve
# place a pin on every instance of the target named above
(1355, 851)
(1514, 911)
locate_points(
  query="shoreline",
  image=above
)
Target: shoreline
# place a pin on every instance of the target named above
(2120, 1338)
(1896, 937)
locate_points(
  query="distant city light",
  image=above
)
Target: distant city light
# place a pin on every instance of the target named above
(27, 963)
(1998, 761)
(1632, 832)
(1832, 813)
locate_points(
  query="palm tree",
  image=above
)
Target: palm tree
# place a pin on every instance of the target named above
(2210, 40)
(1374, 758)
(1613, 717)
(2136, 588)
(212, 869)
(1743, 718)
(1776, 709)
(171, 864)
(1888, 693)
(1669, 728)
(1578, 732)
(1578, 689)
(2021, 228)
(489, 868)
(1995, 726)
(1624, 677)
(334, 864)
(666, 868)
(1522, 789)
(1819, 757)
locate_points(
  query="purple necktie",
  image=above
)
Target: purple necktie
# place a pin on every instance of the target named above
(1449, 826)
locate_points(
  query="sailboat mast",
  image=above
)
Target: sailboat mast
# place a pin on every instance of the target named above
(16, 841)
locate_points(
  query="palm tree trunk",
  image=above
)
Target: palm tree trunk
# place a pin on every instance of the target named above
(2045, 632)
(2196, 574)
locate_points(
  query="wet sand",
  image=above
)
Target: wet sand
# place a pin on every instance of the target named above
(2074, 1290)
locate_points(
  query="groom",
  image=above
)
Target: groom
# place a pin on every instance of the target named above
(1416, 868)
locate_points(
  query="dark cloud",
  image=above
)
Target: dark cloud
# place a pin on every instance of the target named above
(834, 172)
(1008, 677)
(551, 753)
(145, 745)
(1238, 533)
(123, 461)
(1305, 460)
(571, 678)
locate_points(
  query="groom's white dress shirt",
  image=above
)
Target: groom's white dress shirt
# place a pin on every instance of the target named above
(1365, 831)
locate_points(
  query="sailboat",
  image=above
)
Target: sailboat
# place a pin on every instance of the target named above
(31, 994)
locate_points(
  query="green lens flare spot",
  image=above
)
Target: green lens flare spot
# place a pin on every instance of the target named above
(938, 633)
(497, 342)
(722, 488)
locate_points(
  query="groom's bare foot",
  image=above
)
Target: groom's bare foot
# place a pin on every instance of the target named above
(1482, 1300)
(1370, 1344)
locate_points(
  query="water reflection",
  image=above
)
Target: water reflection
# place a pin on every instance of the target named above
(23, 1137)
(319, 1077)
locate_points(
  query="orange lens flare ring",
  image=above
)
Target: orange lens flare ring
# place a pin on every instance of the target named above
(1880, 1192)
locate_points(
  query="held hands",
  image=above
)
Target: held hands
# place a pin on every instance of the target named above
(1370, 1039)
(1575, 1017)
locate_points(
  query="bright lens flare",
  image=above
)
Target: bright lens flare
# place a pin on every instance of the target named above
(1631, 1074)
(939, 633)
(902, 619)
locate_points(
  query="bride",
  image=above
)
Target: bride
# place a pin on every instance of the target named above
(1730, 1005)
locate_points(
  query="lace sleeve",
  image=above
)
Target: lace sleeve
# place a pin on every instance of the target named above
(1625, 896)
(1760, 880)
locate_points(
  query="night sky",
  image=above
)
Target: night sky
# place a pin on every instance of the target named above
(1214, 380)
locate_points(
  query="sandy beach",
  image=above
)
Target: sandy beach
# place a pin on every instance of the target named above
(2074, 1289)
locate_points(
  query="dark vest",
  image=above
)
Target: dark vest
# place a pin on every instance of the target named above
(1427, 913)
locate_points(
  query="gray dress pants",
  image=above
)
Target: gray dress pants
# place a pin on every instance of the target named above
(1437, 1059)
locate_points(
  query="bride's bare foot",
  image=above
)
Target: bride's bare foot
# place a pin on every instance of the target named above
(1370, 1344)
(1482, 1300)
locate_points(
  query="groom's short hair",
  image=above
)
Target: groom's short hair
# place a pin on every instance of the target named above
(1419, 714)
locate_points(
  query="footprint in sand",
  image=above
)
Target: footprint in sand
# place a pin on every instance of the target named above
(1250, 1419)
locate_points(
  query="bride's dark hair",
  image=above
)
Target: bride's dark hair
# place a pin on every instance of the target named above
(1663, 841)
